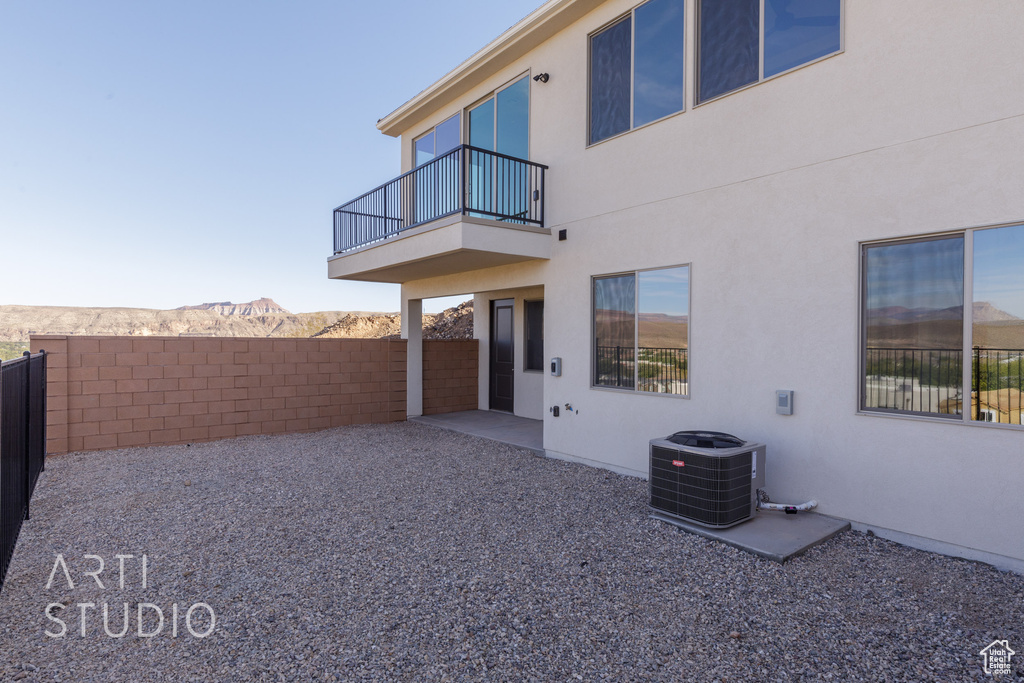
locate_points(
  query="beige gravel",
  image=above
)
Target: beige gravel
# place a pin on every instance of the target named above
(405, 553)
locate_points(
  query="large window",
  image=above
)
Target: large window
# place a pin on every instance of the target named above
(433, 195)
(636, 69)
(736, 48)
(922, 343)
(500, 123)
(641, 330)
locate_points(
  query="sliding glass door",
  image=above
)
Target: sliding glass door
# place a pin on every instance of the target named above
(498, 187)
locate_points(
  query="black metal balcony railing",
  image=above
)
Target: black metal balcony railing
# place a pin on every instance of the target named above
(661, 370)
(931, 381)
(466, 180)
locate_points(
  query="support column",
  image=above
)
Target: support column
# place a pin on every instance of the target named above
(412, 330)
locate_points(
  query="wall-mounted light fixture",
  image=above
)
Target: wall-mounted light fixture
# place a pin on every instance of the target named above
(543, 78)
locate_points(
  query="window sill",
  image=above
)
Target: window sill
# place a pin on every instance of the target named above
(748, 86)
(941, 420)
(633, 130)
(626, 392)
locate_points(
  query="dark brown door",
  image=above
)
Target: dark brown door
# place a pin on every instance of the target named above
(502, 356)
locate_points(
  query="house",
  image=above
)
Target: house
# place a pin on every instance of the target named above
(695, 203)
(991, 406)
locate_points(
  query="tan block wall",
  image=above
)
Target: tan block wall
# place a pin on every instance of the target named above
(450, 370)
(115, 392)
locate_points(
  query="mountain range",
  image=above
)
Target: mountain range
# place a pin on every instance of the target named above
(984, 312)
(262, 306)
(260, 318)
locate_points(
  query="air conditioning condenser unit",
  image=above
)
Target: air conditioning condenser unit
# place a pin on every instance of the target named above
(706, 478)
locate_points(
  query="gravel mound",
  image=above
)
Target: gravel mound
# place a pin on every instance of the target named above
(406, 553)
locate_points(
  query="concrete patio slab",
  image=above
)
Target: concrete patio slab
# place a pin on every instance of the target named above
(511, 429)
(770, 534)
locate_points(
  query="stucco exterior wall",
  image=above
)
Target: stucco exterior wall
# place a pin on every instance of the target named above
(915, 128)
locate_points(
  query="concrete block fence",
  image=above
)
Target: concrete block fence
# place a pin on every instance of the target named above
(450, 375)
(116, 392)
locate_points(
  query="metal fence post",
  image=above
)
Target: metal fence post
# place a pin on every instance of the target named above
(45, 415)
(28, 429)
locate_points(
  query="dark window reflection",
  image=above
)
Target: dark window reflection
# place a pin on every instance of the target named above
(729, 45)
(614, 330)
(534, 335)
(609, 81)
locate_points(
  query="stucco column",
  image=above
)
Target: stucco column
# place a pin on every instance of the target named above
(412, 330)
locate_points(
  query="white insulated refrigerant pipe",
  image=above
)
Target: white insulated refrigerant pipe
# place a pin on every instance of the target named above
(788, 509)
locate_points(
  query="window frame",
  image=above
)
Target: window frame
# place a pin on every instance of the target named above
(493, 96)
(433, 131)
(761, 78)
(966, 380)
(631, 15)
(636, 331)
(526, 335)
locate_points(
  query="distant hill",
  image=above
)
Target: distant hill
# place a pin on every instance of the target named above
(452, 323)
(921, 328)
(258, 307)
(260, 318)
(17, 323)
(984, 312)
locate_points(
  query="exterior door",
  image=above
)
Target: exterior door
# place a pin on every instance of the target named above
(502, 356)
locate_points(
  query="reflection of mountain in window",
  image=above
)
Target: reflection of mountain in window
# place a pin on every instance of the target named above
(641, 328)
(998, 325)
(917, 329)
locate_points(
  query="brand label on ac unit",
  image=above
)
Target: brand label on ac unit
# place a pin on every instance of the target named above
(678, 463)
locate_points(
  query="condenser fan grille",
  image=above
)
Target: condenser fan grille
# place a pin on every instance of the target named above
(711, 490)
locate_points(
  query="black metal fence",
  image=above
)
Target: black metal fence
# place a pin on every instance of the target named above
(22, 444)
(661, 370)
(931, 381)
(467, 180)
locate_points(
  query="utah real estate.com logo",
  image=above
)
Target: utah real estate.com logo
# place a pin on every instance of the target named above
(198, 620)
(997, 658)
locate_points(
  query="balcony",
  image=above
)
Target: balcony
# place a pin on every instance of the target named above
(465, 210)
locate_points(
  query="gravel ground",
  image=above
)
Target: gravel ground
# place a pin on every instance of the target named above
(406, 553)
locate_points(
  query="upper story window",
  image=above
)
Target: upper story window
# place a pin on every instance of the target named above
(501, 123)
(636, 69)
(443, 138)
(737, 48)
(941, 339)
(641, 330)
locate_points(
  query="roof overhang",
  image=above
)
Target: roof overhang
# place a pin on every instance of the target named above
(538, 26)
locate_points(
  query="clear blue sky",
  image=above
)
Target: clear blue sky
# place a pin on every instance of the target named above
(156, 154)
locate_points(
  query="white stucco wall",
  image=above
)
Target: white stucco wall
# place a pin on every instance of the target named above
(916, 128)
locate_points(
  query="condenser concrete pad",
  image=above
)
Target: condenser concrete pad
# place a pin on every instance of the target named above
(770, 534)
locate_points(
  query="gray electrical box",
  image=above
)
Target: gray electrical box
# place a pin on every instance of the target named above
(556, 367)
(784, 402)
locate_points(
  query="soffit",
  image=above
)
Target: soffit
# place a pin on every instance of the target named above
(538, 26)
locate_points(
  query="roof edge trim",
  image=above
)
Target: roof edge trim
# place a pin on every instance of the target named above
(526, 34)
